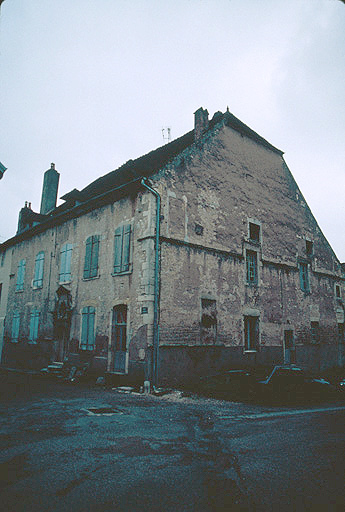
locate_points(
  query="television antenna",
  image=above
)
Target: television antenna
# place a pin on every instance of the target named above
(166, 134)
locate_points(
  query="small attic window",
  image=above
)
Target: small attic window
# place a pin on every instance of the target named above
(199, 230)
(254, 232)
(337, 291)
(309, 247)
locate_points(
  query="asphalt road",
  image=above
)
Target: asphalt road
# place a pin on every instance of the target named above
(167, 453)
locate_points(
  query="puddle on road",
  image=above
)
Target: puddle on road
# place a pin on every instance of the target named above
(104, 411)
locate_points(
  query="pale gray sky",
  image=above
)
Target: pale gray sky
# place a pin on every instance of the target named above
(89, 85)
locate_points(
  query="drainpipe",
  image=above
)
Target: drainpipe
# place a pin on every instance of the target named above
(155, 352)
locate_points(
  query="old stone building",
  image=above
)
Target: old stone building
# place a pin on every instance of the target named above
(198, 256)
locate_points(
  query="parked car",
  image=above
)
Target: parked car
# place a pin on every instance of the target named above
(289, 383)
(230, 384)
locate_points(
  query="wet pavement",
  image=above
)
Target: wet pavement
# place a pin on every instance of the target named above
(85, 448)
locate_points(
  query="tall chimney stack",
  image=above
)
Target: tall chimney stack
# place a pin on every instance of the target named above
(200, 123)
(49, 190)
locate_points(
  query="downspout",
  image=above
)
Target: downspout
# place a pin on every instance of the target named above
(155, 344)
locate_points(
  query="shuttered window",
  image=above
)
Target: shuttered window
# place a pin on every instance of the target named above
(252, 267)
(34, 322)
(122, 249)
(91, 257)
(15, 327)
(20, 276)
(88, 328)
(39, 269)
(304, 277)
(65, 263)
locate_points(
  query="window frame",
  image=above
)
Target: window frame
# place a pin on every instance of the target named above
(304, 276)
(251, 333)
(315, 331)
(252, 267)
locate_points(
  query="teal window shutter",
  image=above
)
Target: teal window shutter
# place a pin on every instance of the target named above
(87, 263)
(39, 268)
(34, 322)
(91, 257)
(20, 275)
(94, 256)
(65, 263)
(15, 327)
(126, 248)
(122, 249)
(88, 328)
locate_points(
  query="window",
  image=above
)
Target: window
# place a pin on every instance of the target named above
(122, 249)
(0, 291)
(315, 332)
(309, 248)
(15, 327)
(20, 276)
(88, 328)
(39, 267)
(2, 258)
(337, 291)
(254, 232)
(252, 267)
(303, 277)
(251, 333)
(341, 333)
(208, 321)
(65, 263)
(91, 257)
(34, 322)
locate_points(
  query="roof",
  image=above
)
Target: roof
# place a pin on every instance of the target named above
(131, 173)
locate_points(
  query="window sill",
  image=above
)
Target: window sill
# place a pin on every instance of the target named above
(91, 278)
(37, 287)
(251, 351)
(65, 282)
(19, 291)
(121, 273)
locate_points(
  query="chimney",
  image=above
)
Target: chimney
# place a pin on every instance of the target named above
(49, 190)
(200, 123)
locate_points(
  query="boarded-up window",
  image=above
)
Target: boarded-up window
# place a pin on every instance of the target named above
(208, 321)
(304, 277)
(176, 217)
(122, 249)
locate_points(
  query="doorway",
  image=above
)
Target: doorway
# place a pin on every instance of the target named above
(119, 338)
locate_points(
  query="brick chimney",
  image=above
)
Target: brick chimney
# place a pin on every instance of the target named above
(200, 123)
(49, 190)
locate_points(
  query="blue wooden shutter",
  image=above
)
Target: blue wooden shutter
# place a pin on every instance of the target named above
(118, 250)
(84, 327)
(126, 248)
(87, 263)
(21, 275)
(34, 321)
(68, 259)
(15, 326)
(91, 329)
(94, 256)
(39, 267)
